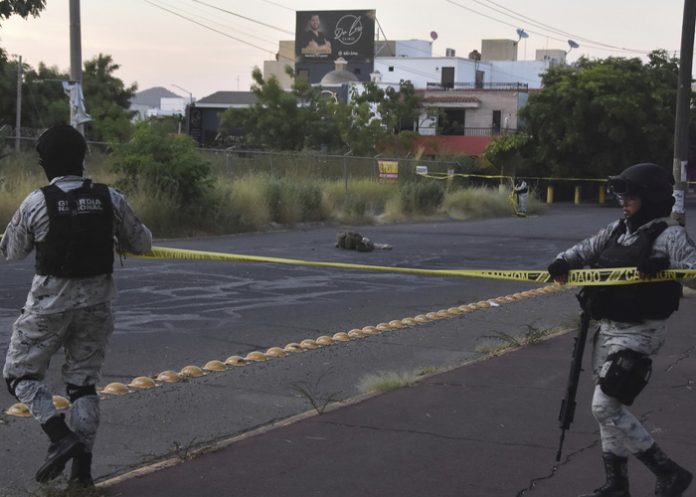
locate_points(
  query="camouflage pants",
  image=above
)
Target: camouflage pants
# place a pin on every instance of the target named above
(83, 334)
(621, 432)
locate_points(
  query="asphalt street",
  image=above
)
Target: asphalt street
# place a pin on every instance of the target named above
(174, 313)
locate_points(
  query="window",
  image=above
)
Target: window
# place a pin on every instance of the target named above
(391, 68)
(447, 76)
(451, 122)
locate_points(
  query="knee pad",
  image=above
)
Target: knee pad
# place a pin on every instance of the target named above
(75, 392)
(13, 382)
(625, 374)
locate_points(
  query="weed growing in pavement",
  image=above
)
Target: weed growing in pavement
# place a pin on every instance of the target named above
(309, 391)
(388, 381)
(185, 452)
(504, 341)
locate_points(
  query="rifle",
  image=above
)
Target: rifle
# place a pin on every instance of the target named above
(565, 417)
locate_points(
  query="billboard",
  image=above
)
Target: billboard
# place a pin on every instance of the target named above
(326, 35)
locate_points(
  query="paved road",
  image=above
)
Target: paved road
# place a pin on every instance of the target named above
(174, 313)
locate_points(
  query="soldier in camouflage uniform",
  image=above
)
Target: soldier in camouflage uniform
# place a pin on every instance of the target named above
(632, 320)
(72, 224)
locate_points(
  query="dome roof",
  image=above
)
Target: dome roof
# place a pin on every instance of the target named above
(338, 77)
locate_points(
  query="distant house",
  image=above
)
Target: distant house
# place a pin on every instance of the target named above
(157, 101)
(204, 115)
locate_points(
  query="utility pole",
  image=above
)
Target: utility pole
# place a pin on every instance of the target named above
(681, 125)
(18, 118)
(75, 52)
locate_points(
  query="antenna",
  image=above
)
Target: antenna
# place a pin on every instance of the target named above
(521, 33)
(572, 44)
(433, 35)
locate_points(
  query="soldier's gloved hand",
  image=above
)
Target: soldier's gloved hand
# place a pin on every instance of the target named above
(649, 267)
(558, 270)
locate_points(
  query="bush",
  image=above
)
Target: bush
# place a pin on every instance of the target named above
(477, 203)
(163, 163)
(422, 197)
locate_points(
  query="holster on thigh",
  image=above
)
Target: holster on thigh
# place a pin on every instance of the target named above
(625, 374)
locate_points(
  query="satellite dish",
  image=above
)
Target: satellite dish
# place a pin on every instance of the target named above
(433, 35)
(522, 34)
(572, 44)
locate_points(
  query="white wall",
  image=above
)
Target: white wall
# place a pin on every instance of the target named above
(423, 70)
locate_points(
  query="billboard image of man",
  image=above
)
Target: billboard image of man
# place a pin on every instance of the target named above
(313, 40)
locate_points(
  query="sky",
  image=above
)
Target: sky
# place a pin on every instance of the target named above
(197, 47)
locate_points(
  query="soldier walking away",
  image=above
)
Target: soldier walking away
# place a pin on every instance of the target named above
(631, 320)
(522, 196)
(72, 223)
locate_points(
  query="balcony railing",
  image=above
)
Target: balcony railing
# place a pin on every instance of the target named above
(479, 86)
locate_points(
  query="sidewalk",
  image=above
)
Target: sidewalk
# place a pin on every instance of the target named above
(487, 429)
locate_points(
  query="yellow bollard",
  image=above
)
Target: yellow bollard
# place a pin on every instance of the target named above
(602, 193)
(549, 194)
(577, 195)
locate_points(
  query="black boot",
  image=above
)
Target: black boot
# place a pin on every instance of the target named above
(672, 479)
(616, 469)
(64, 446)
(81, 471)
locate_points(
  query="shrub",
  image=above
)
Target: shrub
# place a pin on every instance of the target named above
(165, 163)
(422, 197)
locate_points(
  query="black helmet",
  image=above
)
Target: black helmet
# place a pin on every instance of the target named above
(61, 151)
(644, 180)
(651, 183)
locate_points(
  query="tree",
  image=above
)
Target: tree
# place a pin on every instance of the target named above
(107, 100)
(22, 8)
(306, 118)
(596, 117)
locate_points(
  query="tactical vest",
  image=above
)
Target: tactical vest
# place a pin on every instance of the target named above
(79, 243)
(632, 303)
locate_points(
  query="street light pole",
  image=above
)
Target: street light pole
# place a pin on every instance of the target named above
(190, 103)
(681, 126)
(75, 53)
(18, 118)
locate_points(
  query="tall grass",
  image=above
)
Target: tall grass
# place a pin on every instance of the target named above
(257, 201)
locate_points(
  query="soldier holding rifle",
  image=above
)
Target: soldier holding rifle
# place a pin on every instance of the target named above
(631, 321)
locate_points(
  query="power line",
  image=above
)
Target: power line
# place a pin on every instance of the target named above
(208, 27)
(215, 22)
(280, 5)
(537, 33)
(244, 17)
(553, 29)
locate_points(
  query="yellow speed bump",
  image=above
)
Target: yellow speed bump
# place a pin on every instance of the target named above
(142, 382)
(483, 304)
(370, 330)
(60, 402)
(341, 336)
(309, 344)
(384, 327)
(454, 311)
(18, 410)
(432, 316)
(235, 360)
(215, 365)
(396, 323)
(421, 318)
(325, 340)
(115, 389)
(276, 352)
(191, 372)
(444, 313)
(256, 356)
(409, 322)
(356, 333)
(293, 347)
(169, 377)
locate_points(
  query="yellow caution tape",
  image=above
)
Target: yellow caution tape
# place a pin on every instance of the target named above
(579, 277)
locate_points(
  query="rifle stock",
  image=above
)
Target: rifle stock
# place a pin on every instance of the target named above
(567, 414)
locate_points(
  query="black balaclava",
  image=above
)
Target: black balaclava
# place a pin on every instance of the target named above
(61, 151)
(653, 185)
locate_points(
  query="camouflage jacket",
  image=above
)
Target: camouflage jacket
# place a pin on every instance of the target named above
(50, 294)
(673, 243)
